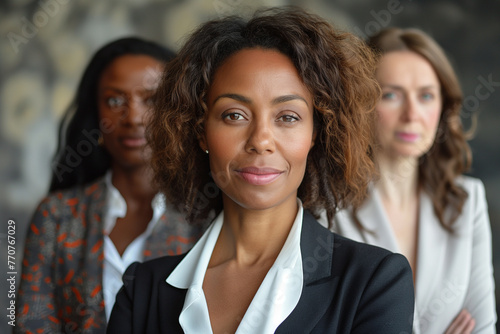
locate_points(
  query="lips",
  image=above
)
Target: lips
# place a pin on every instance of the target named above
(259, 175)
(133, 141)
(409, 137)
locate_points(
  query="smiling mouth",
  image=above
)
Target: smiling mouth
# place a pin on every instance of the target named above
(259, 176)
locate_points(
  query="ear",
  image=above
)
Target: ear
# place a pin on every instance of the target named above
(313, 140)
(203, 142)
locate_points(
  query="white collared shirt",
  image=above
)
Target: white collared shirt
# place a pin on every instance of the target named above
(114, 265)
(275, 299)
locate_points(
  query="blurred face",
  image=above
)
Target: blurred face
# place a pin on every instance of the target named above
(124, 95)
(410, 107)
(258, 129)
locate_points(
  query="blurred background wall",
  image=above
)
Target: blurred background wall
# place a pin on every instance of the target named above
(45, 45)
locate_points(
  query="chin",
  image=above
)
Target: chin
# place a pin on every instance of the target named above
(410, 151)
(258, 202)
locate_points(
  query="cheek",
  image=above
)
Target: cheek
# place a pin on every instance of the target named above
(222, 150)
(433, 119)
(108, 114)
(297, 152)
(432, 123)
(385, 121)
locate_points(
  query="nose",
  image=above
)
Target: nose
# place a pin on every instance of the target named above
(411, 109)
(133, 114)
(260, 138)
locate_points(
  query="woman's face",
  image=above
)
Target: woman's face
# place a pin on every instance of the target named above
(124, 95)
(258, 129)
(410, 107)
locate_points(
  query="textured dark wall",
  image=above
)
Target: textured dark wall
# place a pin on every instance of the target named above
(45, 45)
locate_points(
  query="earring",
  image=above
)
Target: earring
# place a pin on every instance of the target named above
(100, 140)
(206, 151)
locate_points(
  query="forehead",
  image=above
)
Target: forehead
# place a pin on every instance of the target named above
(250, 69)
(406, 68)
(138, 69)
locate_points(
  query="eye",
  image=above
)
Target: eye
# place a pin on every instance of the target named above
(427, 96)
(115, 101)
(288, 118)
(389, 96)
(233, 116)
(149, 100)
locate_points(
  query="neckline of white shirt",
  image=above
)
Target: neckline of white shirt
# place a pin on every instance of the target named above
(275, 299)
(116, 207)
(115, 265)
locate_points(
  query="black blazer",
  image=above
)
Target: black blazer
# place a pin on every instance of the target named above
(349, 287)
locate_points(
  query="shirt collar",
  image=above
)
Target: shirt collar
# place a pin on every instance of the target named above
(277, 296)
(117, 206)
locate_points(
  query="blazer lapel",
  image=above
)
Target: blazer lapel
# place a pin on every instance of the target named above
(94, 251)
(378, 228)
(80, 274)
(316, 245)
(432, 240)
(170, 301)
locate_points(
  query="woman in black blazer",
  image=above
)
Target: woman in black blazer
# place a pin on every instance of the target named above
(280, 107)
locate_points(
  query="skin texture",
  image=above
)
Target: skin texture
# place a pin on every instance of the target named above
(258, 130)
(410, 106)
(124, 96)
(124, 93)
(260, 115)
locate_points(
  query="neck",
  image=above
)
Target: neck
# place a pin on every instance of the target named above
(253, 236)
(398, 179)
(135, 185)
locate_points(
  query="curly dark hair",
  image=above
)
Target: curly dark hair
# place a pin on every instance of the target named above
(450, 155)
(338, 69)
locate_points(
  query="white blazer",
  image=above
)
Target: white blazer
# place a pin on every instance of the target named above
(454, 271)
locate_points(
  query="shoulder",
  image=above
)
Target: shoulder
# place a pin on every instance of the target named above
(347, 255)
(59, 206)
(152, 270)
(361, 256)
(141, 280)
(470, 184)
(476, 196)
(73, 195)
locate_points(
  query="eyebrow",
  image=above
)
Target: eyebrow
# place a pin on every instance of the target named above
(120, 91)
(236, 97)
(396, 87)
(277, 100)
(286, 98)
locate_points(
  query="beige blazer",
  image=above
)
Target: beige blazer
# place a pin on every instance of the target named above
(454, 271)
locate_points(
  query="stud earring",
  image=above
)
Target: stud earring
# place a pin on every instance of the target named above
(206, 151)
